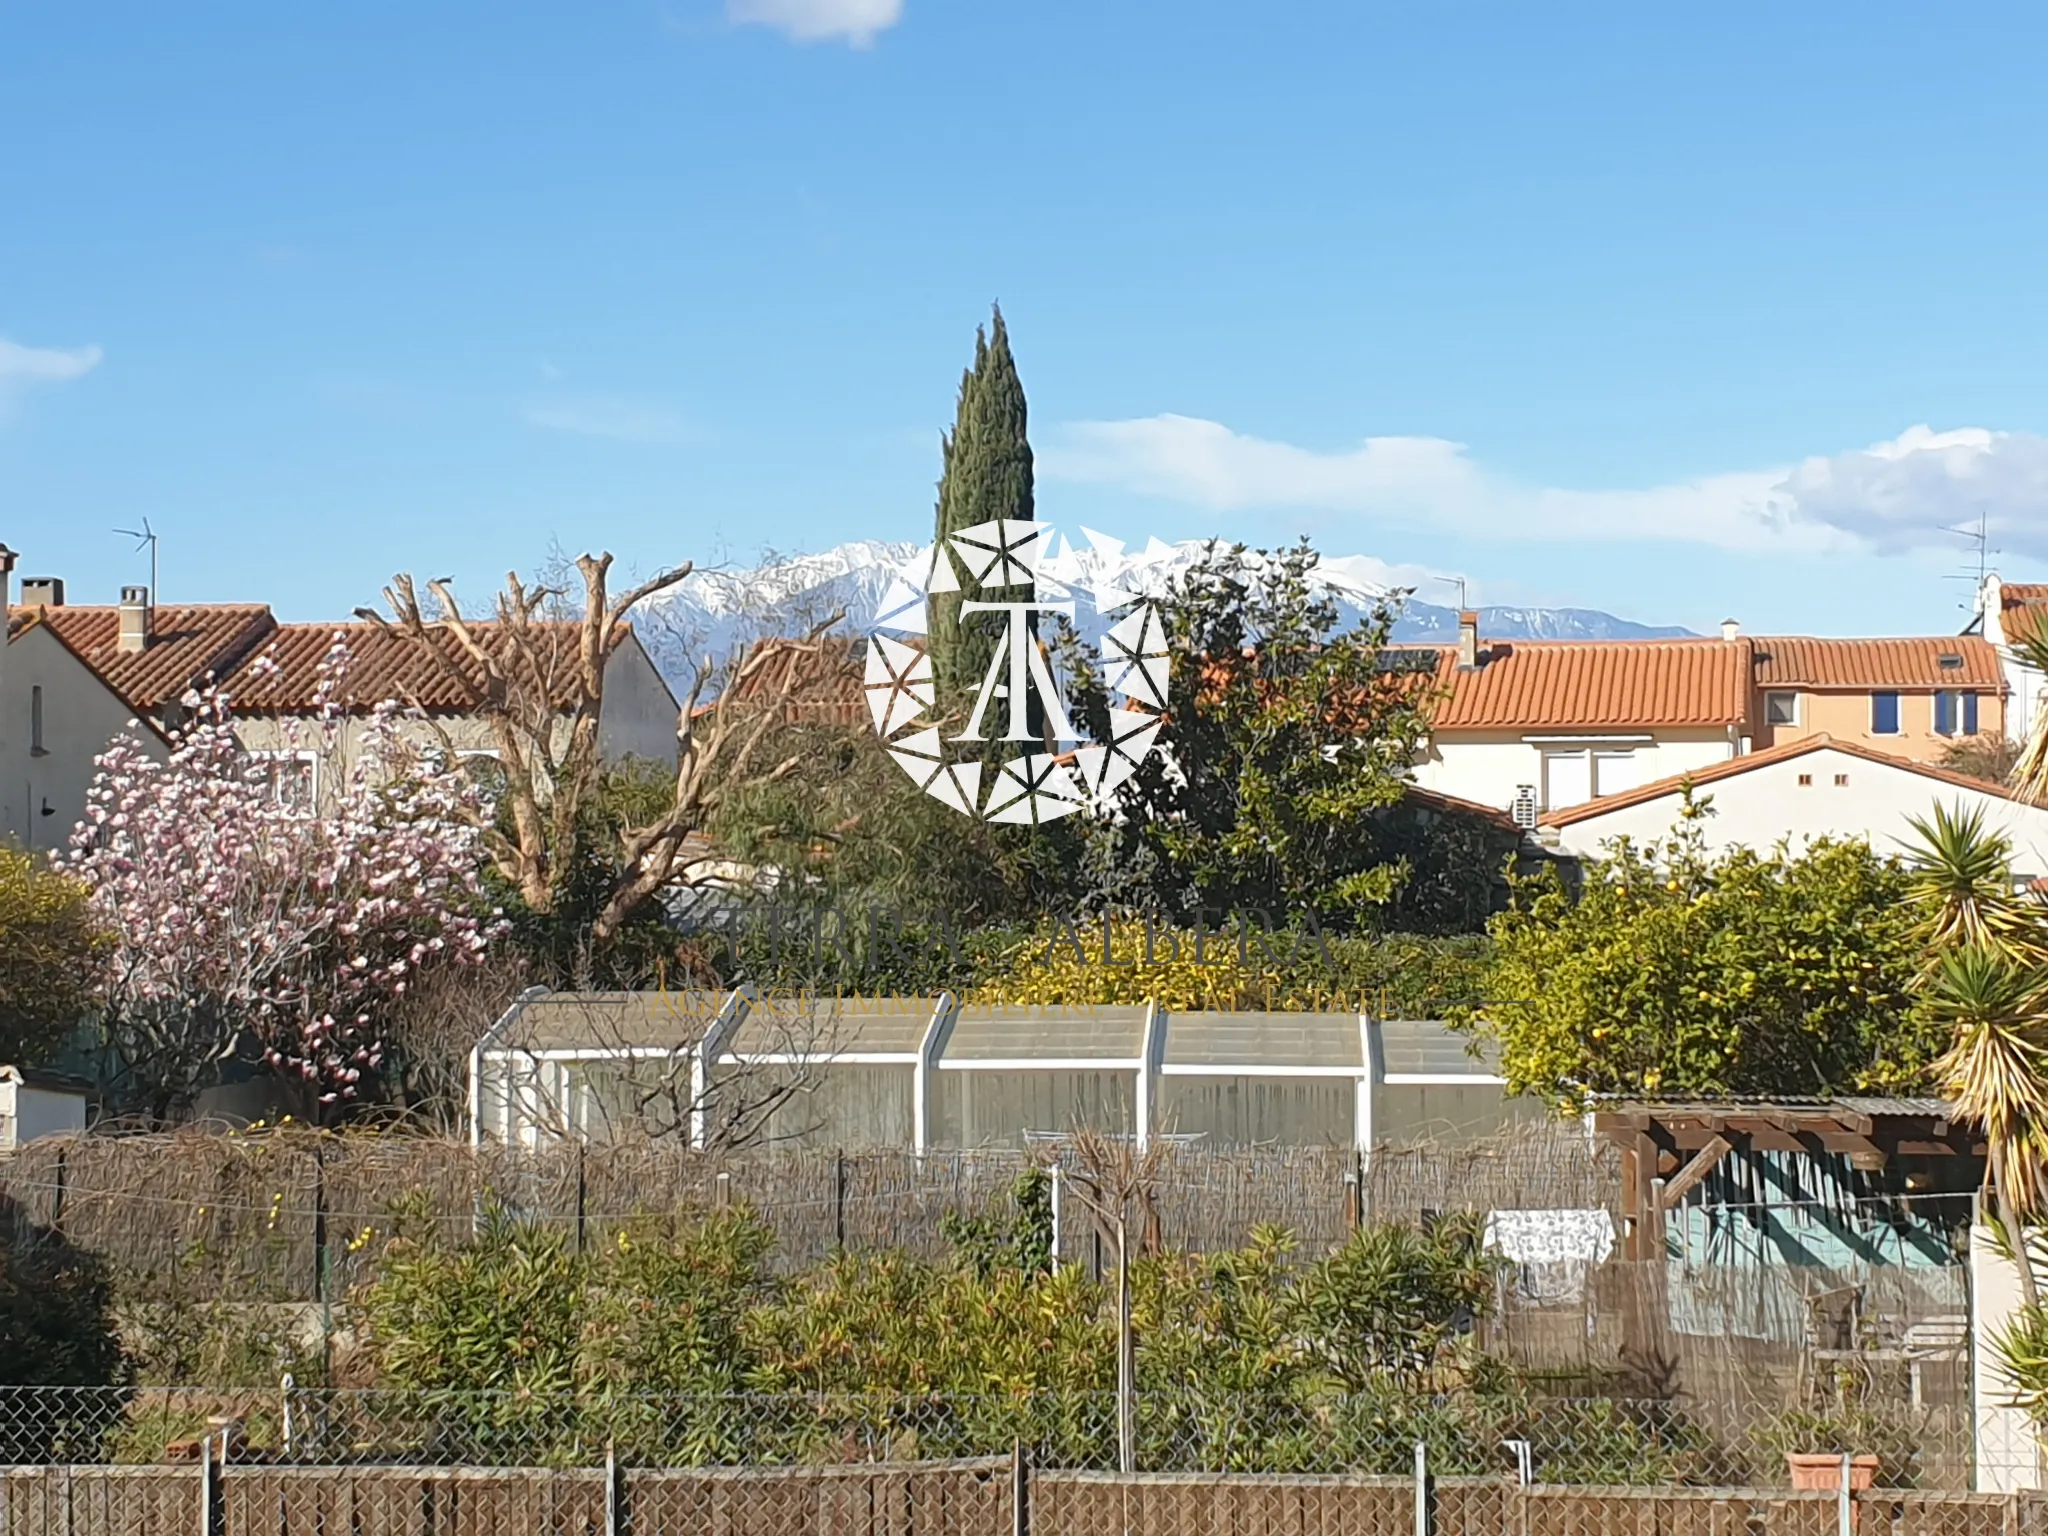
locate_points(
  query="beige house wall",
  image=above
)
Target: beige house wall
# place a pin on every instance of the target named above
(1845, 715)
(639, 722)
(81, 715)
(42, 793)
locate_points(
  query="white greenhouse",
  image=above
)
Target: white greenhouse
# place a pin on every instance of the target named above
(726, 1068)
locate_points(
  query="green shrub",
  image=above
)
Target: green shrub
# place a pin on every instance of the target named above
(56, 1330)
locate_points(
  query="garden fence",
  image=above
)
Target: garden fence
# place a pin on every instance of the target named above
(297, 1217)
(284, 1462)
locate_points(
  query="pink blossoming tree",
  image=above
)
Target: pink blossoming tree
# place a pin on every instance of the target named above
(242, 915)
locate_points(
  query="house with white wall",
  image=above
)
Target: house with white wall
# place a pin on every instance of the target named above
(2009, 613)
(1812, 788)
(1537, 726)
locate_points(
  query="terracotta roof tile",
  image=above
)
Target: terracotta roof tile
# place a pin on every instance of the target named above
(813, 684)
(2023, 609)
(1658, 788)
(189, 643)
(1594, 685)
(282, 676)
(1784, 661)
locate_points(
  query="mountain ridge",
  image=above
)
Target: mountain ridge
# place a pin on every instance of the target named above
(711, 612)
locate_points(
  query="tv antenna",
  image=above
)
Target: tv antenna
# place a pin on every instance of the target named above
(1459, 583)
(145, 537)
(1979, 535)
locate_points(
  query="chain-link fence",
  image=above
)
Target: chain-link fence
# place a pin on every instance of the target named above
(1001, 1496)
(1574, 1441)
(283, 1461)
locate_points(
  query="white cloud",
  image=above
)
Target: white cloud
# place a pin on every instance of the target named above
(617, 419)
(1890, 497)
(810, 21)
(21, 367)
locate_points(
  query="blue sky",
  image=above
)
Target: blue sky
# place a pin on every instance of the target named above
(1625, 306)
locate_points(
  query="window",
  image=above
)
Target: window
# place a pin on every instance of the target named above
(1781, 709)
(293, 779)
(1524, 810)
(1841, 781)
(1884, 714)
(1615, 771)
(1806, 781)
(35, 722)
(1955, 714)
(1567, 779)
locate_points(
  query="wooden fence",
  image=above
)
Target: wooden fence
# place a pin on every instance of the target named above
(991, 1497)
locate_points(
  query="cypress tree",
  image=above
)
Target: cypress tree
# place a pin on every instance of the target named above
(987, 475)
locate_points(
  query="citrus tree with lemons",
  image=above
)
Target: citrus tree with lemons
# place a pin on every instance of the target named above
(1672, 972)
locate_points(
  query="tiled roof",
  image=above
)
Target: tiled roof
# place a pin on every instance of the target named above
(282, 676)
(1658, 788)
(1785, 661)
(2023, 606)
(188, 644)
(819, 684)
(1594, 685)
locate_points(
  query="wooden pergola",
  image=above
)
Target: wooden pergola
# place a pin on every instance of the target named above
(1668, 1148)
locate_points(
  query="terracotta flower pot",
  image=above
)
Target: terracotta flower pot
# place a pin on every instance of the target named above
(1820, 1472)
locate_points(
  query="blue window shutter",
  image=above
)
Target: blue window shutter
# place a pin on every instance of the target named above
(1944, 714)
(1969, 714)
(1884, 714)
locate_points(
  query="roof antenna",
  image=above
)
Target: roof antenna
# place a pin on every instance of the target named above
(146, 536)
(1980, 536)
(1458, 582)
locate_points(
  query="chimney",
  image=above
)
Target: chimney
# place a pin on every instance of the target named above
(42, 591)
(134, 619)
(1468, 639)
(7, 559)
(1730, 630)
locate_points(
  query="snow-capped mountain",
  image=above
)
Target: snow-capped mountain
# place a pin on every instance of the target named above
(711, 612)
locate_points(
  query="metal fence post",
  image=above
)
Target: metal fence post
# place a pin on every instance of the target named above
(1845, 1512)
(614, 1493)
(839, 1201)
(1053, 1257)
(212, 1515)
(1422, 1510)
(1020, 1492)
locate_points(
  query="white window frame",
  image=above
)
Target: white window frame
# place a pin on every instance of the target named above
(293, 755)
(1798, 709)
(1962, 705)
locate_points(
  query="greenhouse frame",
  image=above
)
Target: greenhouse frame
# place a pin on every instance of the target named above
(928, 1073)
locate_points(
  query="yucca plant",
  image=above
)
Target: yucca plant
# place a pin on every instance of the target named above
(1961, 881)
(2022, 1350)
(1990, 1000)
(2029, 779)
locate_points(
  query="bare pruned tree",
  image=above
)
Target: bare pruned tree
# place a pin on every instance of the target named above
(1117, 1183)
(538, 684)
